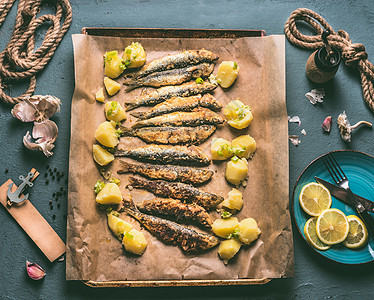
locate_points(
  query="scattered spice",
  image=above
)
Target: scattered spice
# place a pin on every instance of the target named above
(46, 181)
(34, 271)
(6, 171)
(53, 217)
(303, 132)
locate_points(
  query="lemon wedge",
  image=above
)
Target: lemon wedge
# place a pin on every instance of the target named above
(332, 226)
(358, 234)
(311, 235)
(314, 198)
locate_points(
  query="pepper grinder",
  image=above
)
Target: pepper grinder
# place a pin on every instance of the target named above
(323, 63)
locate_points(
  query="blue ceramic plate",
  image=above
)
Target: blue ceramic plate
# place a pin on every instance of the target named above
(359, 168)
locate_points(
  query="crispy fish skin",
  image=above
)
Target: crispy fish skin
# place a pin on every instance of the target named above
(167, 172)
(180, 212)
(170, 232)
(180, 60)
(170, 77)
(186, 89)
(180, 104)
(172, 135)
(175, 155)
(177, 190)
(199, 116)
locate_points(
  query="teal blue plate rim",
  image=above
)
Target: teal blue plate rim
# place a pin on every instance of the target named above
(293, 201)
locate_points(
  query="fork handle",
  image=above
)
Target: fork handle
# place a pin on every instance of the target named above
(365, 216)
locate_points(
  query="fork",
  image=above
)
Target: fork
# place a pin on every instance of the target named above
(339, 177)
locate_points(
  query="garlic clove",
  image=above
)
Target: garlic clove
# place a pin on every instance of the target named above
(45, 133)
(344, 127)
(36, 108)
(35, 271)
(326, 125)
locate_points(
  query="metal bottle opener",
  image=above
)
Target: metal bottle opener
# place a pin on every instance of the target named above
(15, 197)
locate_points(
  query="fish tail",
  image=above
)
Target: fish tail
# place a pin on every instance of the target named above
(126, 168)
(130, 87)
(131, 105)
(119, 153)
(126, 131)
(130, 207)
(137, 114)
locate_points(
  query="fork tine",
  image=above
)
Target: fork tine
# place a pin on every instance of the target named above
(336, 163)
(334, 168)
(329, 168)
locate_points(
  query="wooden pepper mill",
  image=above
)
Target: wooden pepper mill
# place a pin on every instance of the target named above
(323, 63)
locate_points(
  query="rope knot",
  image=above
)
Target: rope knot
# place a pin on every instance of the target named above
(353, 53)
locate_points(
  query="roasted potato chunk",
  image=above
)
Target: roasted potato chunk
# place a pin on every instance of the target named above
(117, 225)
(114, 111)
(244, 146)
(220, 149)
(134, 241)
(110, 194)
(248, 230)
(225, 227)
(238, 115)
(228, 249)
(111, 86)
(134, 56)
(102, 156)
(113, 65)
(236, 170)
(100, 95)
(234, 201)
(227, 73)
(106, 134)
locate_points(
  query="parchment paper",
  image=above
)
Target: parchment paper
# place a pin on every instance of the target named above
(93, 253)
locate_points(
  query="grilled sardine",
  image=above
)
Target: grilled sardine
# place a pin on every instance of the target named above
(177, 190)
(172, 135)
(170, 77)
(199, 116)
(175, 155)
(180, 60)
(178, 211)
(169, 173)
(180, 104)
(186, 89)
(170, 232)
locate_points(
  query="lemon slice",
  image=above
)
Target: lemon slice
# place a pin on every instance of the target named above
(332, 226)
(311, 235)
(314, 198)
(358, 234)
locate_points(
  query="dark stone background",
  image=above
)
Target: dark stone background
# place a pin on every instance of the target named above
(315, 277)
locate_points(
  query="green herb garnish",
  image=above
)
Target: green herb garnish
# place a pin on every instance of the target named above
(128, 51)
(118, 132)
(235, 234)
(99, 185)
(239, 151)
(115, 180)
(199, 80)
(235, 158)
(226, 215)
(235, 66)
(115, 213)
(109, 210)
(113, 110)
(127, 62)
(129, 235)
(109, 55)
(241, 114)
(122, 66)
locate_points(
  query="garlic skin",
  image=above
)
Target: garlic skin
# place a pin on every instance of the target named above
(326, 125)
(36, 108)
(45, 133)
(39, 109)
(34, 271)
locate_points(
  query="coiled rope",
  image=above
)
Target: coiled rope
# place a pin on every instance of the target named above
(353, 54)
(20, 60)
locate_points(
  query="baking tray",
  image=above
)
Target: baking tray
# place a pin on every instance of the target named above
(173, 33)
